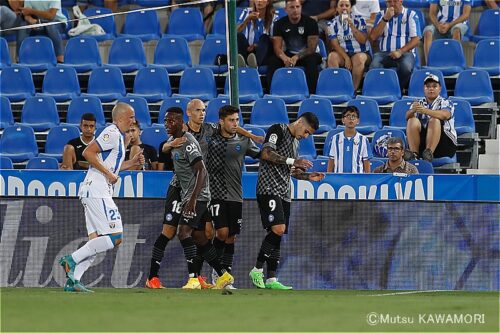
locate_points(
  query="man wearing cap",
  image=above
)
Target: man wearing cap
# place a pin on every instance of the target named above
(430, 125)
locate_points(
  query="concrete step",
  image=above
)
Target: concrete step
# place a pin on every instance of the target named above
(492, 146)
(483, 171)
(498, 131)
(490, 161)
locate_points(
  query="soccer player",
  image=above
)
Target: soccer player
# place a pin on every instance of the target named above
(278, 161)
(103, 221)
(195, 195)
(226, 154)
(350, 150)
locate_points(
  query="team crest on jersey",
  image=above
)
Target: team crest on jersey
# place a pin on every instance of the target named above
(169, 217)
(273, 138)
(270, 218)
(176, 156)
(105, 137)
(301, 30)
(238, 147)
(112, 225)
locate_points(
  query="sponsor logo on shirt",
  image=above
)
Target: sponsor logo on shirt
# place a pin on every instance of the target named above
(273, 138)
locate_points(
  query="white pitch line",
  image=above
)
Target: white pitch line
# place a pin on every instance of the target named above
(406, 293)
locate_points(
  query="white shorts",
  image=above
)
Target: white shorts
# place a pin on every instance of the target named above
(102, 216)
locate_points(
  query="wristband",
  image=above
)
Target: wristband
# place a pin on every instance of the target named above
(383, 19)
(290, 161)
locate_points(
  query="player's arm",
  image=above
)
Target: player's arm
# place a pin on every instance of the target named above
(69, 157)
(300, 174)
(200, 172)
(134, 150)
(90, 154)
(269, 154)
(247, 134)
(331, 165)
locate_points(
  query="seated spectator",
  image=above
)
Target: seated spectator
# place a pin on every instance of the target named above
(44, 11)
(10, 14)
(349, 42)
(254, 44)
(299, 33)
(136, 147)
(492, 4)
(350, 150)
(321, 11)
(395, 162)
(449, 20)
(399, 33)
(73, 151)
(430, 126)
(368, 9)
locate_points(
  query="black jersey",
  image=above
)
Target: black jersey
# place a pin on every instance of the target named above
(149, 153)
(295, 35)
(79, 146)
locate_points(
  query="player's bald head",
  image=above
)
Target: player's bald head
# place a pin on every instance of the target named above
(120, 110)
(195, 104)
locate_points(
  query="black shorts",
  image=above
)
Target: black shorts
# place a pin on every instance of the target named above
(227, 214)
(445, 146)
(196, 222)
(173, 206)
(207, 217)
(273, 211)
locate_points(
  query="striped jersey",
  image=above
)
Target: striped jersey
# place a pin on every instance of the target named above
(450, 10)
(349, 152)
(112, 154)
(399, 30)
(252, 31)
(343, 33)
(440, 103)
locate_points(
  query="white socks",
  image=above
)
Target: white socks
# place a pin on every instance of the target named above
(93, 247)
(83, 266)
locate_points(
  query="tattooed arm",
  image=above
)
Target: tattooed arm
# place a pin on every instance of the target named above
(271, 155)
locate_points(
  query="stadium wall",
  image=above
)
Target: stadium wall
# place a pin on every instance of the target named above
(332, 244)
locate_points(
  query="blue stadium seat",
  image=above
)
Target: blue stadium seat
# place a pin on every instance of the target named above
(488, 26)
(6, 117)
(487, 56)
(322, 49)
(213, 107)
(381, 85)
(154, 136)
(447, 56)
(320, 164)
(464, 119)
(152, 83)
(249, 85)
(37, 53)
(172, 53)
(106, 83)
(369, 115)
(335, 84)
(375, 163)
(322, 108)
(4, 54)
(289, 84)
(143, 24)
(107, 23)
(209, 51)
(280, 12)
(40, 113)
(82, 54)
(152, 3)
(180, 102)
(307, 149)
(416, 86)
(328, 140)
(61, 84)
(56, 140)
(474, 86)
(268, 111)
(219, 23)
(18, 143)
(397, 119)
(141, 109)
(440, 161)
(197, 83)
(379, 141)
(423, 166)
(6, 163)
(186, 22)
(127, 53)
(82, 105)
(16, 83)
(255, 131)
(42, 163)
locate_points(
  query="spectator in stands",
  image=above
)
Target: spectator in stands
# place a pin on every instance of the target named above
(399, 32)
(492, 4)
(73, 151)
(368, 9)
(349, 42)
(395, 162)
(136, 146)
(254, 44)
(299, 33)
(321, 11)
(449, 20)
(44, 11)
(350, 150)
(207, 8)
(10, 14)
(430, 124)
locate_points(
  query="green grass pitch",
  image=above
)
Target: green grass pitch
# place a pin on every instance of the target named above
(142, 310)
